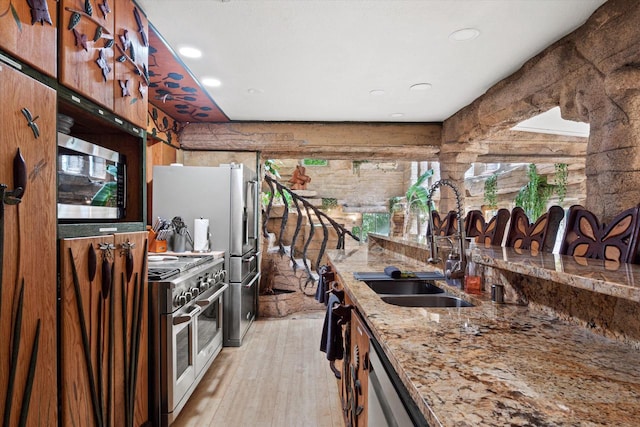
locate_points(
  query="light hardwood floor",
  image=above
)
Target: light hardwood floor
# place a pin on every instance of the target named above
(278, 377)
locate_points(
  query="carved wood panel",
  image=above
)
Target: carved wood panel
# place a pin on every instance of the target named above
(30, 32)
(28, 258)
(131, 78)
(87, 49)
(104, 352)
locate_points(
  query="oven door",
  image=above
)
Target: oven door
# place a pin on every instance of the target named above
(181, 371)
(209, 327)
(242, 267)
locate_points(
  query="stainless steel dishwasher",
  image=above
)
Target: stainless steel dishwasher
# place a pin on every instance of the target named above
(385, 408)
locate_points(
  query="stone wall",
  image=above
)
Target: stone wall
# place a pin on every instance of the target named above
(368, 186)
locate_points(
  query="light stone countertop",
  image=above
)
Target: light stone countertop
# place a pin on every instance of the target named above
(495, 365)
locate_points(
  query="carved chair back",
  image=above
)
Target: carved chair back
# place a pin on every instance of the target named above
(486, 233)
(539, 236)
(586, 237)
(443, 226)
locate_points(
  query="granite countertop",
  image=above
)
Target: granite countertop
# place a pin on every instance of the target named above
(491, 364)
(606, 277)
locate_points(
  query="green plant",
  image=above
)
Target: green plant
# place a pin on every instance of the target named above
(272, 167)
(417, 194)
(491, 191)
(315, 162)
(355, 165)
(277, 199)
(329, 203)
(533, 197)
(417, 197)
(561, 179)
(395, 203)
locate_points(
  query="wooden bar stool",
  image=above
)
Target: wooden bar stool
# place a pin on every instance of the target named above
(487, 233)
(539, 236)
(586, 237)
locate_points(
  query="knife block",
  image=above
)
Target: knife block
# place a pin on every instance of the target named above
(156, 246)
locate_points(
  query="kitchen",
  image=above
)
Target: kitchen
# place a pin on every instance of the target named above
(120, 136)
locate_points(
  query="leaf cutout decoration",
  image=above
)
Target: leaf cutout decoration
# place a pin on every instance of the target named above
(620, 228)
(539, 226)
(587, 230)
(73, 21)
(88, 8)
(108, 43)
(98, 33)
(16, 18)
(175, 76)
(92, 263)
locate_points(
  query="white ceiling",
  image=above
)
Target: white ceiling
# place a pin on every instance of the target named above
(318, 60)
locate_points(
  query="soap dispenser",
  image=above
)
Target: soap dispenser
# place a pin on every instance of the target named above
(472, 281)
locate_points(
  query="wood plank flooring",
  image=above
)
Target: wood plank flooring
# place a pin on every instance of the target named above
(278, 377)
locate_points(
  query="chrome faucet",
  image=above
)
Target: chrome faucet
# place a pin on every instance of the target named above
(457, 270)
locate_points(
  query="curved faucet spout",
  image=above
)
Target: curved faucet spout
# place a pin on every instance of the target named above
(461, 266)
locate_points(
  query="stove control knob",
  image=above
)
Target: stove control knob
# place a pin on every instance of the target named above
(203, 286)
(195, 291)
(188, 296)
(181, 300)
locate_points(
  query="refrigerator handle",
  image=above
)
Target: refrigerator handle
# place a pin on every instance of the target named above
(250, 210)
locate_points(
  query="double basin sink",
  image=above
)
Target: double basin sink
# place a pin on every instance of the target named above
(411, 292)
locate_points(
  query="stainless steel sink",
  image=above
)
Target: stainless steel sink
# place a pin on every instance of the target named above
(403, 287)
(425, 301)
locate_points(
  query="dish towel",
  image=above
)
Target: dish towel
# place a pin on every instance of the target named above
(321, 291)
(393, 272)
(331, 339)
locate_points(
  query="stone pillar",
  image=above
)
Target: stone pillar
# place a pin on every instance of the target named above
(613, 153)
(454, 162)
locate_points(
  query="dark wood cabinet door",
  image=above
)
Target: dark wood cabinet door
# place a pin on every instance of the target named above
(31, 34)
(28, 278)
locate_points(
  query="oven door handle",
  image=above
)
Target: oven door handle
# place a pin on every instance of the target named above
(256, 277)
(177, 320)
(206, 302)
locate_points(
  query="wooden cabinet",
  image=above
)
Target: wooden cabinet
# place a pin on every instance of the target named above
(30, 34)
(28, 258)
(87, 49)
(131, 80)
(104, 341)
(104, 55)
(355, 372)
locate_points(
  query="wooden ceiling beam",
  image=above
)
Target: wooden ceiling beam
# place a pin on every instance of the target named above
(348, 141)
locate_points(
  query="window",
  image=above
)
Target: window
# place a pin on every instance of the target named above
(372, 223)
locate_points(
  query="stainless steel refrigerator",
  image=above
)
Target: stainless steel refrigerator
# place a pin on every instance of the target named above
(227, 195)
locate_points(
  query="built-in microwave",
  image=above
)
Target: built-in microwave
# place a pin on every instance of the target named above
(91, 180)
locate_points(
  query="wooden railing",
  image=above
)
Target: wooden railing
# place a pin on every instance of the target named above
(300, 203)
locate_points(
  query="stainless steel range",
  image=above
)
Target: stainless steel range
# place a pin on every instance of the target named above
(186, 317)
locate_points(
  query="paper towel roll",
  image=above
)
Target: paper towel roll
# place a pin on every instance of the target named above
(200, 235)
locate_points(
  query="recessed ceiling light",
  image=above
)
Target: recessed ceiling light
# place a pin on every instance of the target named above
(396, 115)
(420, 86)
(211, 82)
(376, 92)
(190, 52)
(464, 34)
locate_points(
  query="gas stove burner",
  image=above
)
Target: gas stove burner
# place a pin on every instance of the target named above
(161, 273)
(163, 267)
